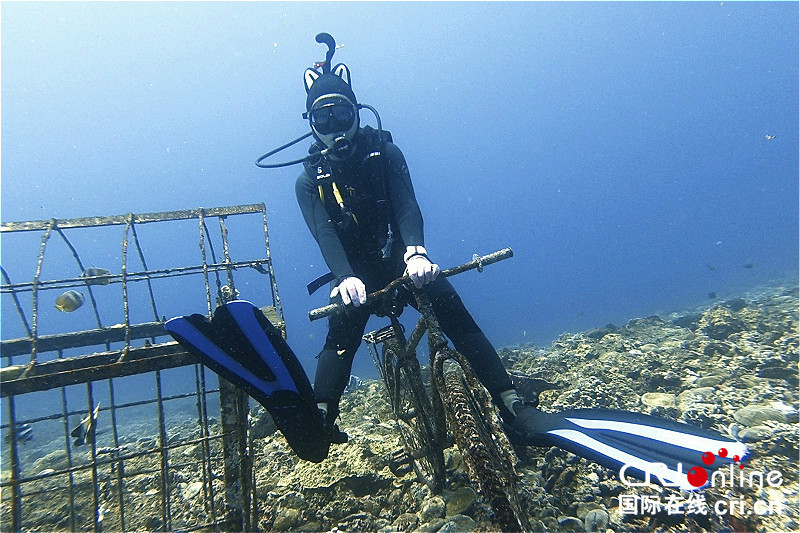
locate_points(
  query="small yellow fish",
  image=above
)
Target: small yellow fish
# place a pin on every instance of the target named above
(97, 276)
(69, 301)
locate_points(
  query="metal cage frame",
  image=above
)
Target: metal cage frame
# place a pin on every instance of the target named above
(223, 454)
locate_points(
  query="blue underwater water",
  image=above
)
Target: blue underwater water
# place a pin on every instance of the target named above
(636, 156)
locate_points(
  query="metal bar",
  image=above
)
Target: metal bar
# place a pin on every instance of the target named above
(93, 433)
(162, 439)
(95, 367)
(232, 465)
(82, 269)
(125, 306)
(119, 220)
(112, 410)
(416, 336)
(204, 227)
(256, 264)
(224, 232)
(144, 266)
(236, 472)
(205, 263)
(83, 414)
(7, 279)
(68, 450)
(252, 519)
(202, 420)
(35, 328)
(16, 499)
(276, 299)
(246, 458)
(77, 339)
(208, 485)
(104, 462)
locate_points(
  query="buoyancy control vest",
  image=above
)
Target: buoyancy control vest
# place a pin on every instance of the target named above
(356, 196)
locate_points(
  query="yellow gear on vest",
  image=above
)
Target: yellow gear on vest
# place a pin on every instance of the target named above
(339, 199)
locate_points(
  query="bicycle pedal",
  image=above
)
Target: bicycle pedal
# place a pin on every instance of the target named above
(400, 462)
(379, 335)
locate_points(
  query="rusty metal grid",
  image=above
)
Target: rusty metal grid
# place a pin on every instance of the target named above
(195, 476)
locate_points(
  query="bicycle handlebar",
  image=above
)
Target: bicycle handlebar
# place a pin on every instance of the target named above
(478, 262)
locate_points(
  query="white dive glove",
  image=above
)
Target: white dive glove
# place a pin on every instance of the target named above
(352, 290)
(418, 267)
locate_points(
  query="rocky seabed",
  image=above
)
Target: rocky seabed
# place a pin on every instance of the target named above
(732, 367)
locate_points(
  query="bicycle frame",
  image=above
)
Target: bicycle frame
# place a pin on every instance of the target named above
(457, 400)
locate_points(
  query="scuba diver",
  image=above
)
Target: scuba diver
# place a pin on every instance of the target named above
(358, 201)
(359, 204)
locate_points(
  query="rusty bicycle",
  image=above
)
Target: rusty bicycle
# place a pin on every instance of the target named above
(443, 403)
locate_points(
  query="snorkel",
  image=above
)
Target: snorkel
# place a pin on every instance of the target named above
(338, 145)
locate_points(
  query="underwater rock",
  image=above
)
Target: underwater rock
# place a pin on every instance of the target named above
(261, 424)
(692, 397)
(432, 508)
(359, 466)
(56, 460)
(570, 523)
(286, 519)
(755, 434)
(461, 500)
(356, 522)
(458, 524)
(652, 320)
(596, 520)
(667, 380)
(292, 500)
(735, 304)
(709, 381)
(720, 322)
(658, 399)
(146, 442)
(688, 321)
(601, 332)
(195, 451)
(756, 415)
(792, 415)
(774, 367)
(405, 522)
(190, 491)
(153, 523)
(429, 527)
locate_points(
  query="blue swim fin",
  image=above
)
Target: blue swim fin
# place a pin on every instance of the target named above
(240, 344)
(666, 449)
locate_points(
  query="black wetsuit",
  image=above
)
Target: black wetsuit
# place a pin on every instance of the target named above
(378, 195)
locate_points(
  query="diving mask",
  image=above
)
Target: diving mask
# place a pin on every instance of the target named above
(331, 118)
(334, 121)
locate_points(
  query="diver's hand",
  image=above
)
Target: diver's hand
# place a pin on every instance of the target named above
(419, 268)
(352, 291)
